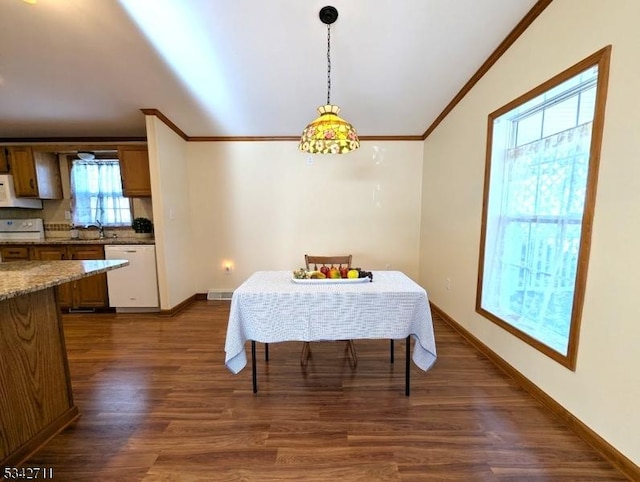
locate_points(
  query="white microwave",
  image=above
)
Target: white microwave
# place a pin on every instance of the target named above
(8, 197)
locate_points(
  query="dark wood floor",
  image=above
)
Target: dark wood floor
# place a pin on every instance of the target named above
(158, 404)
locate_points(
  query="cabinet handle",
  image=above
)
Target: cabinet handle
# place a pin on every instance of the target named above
(32, 184)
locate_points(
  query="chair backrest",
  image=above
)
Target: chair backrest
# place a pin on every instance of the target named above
(327, 261)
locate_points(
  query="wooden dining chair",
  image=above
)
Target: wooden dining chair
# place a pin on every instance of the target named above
(315, 263)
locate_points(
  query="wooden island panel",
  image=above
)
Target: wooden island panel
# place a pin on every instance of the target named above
(36, 400)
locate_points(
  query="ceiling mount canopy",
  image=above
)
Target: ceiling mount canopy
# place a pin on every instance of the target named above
(328, 14)
(329, 134)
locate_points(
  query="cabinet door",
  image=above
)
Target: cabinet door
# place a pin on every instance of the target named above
(4, 162)
(55, 253)
(35, 174)
(89, 292)
(24, 171)
(49, 253)
(48, 177)
(134, 170)
(14, 253)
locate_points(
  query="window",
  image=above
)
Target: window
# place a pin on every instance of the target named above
(539, 195)
(96, 192)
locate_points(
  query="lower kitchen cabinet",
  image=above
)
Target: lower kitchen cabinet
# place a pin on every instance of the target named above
(55, 253)
(88, 292)
(49, 253)
(14, 253)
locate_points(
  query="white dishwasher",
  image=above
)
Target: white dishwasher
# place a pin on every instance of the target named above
(133, 288)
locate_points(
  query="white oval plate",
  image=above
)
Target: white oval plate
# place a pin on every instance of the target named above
(331, 280)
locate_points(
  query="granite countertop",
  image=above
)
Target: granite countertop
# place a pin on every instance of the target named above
(119, 240)
(21, 277)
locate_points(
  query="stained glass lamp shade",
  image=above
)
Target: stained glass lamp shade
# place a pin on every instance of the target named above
(329, 133)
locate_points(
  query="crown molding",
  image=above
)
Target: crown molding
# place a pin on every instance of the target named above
(509, 40)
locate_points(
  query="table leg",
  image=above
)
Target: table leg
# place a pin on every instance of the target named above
(391, 351)
(353, 355)
(266, 352)
(253, 366)
(304, 356)
(407, 367)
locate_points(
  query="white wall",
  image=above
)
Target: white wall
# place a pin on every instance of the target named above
(263, 205)
(604, 391)
(171, 217)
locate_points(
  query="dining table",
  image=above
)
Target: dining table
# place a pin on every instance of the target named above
(274, 306)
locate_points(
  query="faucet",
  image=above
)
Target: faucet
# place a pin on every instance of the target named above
(98, 225)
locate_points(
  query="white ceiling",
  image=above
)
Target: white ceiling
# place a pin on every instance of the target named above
(85, 68)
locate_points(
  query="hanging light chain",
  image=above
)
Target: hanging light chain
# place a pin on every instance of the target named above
(328, 64)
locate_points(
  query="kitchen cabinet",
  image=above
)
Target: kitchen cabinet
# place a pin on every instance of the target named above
(55, 253)
(35, 174)
(48, 253)
(88, 292)
(134, 171)
(4, 163)
(14, 253)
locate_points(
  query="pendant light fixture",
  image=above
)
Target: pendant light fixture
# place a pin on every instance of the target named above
(329, 134)
(86, 155)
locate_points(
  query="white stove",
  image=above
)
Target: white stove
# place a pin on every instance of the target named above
(21, 229)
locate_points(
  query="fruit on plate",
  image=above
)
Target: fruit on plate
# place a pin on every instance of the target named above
(353, 273)
(300, 274)
(333, 273)
(364, 274)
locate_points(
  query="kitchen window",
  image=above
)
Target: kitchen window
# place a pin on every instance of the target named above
(96, 193)
(539, 197)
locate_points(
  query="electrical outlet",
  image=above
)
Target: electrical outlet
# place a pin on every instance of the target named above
(67, 215)
(447, 284)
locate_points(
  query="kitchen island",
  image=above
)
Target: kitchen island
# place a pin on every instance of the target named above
(36, 400)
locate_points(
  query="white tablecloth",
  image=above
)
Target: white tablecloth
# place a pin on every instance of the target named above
(269, 307)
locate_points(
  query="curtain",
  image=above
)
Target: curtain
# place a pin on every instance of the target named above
(536, 230)
(96, 194)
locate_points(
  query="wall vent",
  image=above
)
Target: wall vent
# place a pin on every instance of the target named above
(219, 295)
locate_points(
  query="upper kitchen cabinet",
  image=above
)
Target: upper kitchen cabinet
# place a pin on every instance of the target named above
(35, 174)
(4, 163)
(134, 170)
